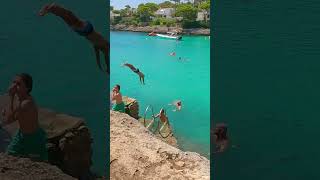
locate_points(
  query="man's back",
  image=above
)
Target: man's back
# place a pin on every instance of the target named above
(27, 115)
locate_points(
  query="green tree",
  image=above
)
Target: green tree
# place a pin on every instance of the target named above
(152, 6)
(116, 11)
(205, 8)
(111, 8)
(145, 11)
(187, 11)
(205, 5)
(166, 4)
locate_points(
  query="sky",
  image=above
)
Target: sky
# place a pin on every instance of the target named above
(119, 4)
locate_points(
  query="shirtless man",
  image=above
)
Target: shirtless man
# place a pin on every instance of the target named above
(83, 28)
(117, 97)
(137, 71)
(162, 116)
(30, 140)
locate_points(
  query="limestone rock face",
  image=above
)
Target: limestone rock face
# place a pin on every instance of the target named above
(132, 106)
(135, 153)
(13, 168)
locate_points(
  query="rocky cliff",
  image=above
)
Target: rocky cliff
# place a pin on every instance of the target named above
(13, 168)
(135, 153)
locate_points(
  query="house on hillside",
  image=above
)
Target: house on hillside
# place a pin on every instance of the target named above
(165, 12)
(203, 16)
(113, 15)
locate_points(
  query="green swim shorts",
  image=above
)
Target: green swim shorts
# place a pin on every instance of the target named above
(29, 145)
(119, 107)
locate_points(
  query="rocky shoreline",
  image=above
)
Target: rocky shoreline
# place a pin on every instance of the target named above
(135, 153)
(159, 29)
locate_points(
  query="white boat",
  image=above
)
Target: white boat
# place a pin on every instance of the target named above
(170, 35)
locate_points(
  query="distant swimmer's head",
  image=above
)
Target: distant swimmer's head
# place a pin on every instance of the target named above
(23, 83)
(221, 131)
(116, 88)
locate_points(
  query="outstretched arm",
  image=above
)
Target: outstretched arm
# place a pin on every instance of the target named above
(157, 115)
(68, 16)
(9, 114)
(130, 66)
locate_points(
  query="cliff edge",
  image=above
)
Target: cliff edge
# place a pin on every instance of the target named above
(135, 153)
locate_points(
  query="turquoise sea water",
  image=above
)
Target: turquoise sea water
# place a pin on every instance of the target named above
(266, 87)
(166, 80)
(66, 78)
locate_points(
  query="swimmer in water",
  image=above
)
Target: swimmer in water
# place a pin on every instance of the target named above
(177, 104)
(83, 28)
(173, 54)
(137, 71)
(221, 138)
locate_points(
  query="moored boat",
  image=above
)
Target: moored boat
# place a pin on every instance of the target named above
(170, 35)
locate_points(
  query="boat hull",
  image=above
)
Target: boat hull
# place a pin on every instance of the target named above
(169, 37)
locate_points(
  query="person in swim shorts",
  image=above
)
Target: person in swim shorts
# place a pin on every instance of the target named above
(83, 28)
(30, 140)
(137, 71)
(117, 97)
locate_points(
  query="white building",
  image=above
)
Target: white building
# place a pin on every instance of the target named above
(113, 15)
(165, 12)
(203, 16)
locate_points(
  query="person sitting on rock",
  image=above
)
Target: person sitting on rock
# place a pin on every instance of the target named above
(83, 28)
(221, 138)
(30, 140)
(117, 97)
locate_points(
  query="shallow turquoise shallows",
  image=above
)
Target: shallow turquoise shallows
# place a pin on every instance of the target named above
(168, 79)
(66, 78)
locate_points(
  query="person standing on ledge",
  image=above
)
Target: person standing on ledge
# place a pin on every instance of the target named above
(30, 140)
(117, 97)
(83, 28)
